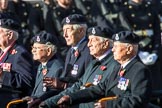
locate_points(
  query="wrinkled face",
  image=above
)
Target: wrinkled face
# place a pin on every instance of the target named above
(120, 51)
(3, 4)
(4, 38)
(40, 52)
(96, 45)
(72, 36)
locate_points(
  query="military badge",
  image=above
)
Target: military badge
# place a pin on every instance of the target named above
(38, 39)
(67, 20)
(75, 69)
(123, 83)
(44, 87)
(97, 79)
(116, 37)
(93, 31)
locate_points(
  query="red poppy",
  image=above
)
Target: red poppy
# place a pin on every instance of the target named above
(76, 54)
(13, 51)
(121, 73)
(44, 71)
(103, 68)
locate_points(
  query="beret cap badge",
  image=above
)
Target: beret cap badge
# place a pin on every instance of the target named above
(38, 39)
(67, 20)
(117, 37)
(93, 31)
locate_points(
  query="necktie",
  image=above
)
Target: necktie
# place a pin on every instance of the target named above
(72, 58)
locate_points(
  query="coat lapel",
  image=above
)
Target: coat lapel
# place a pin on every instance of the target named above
(80, 49)
(117, 77)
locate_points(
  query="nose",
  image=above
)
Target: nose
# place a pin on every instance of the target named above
(65, 33)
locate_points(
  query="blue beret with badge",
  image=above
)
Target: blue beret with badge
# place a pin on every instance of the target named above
(100, 31)
(43, 37)
(74, 19)
(9, 24)
(126, 37)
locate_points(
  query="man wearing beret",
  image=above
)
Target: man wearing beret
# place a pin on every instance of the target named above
(78, 56)
(44, 50)
(100, 68)
(16, 64)
(130, 85)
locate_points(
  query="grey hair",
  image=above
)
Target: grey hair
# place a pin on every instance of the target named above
(15, 33)
(52, 46)
(135, 47)
(78, 26)
(110, 41)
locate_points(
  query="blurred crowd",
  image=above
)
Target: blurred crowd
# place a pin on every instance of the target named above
(143, 17)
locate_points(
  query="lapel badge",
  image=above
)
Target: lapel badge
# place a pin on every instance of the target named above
(117, 37)
(38, 39)
(67, 20)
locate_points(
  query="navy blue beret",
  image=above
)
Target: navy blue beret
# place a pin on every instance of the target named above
(43, 37)
(126, 37)
(74, 19)
(100, 31)
(9, 24)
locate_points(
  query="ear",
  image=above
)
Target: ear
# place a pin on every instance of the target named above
(129, 49)
(10, 34)
(107, 43)
(49, 51)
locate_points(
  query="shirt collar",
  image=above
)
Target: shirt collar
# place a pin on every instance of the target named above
(104, 55)
(125, 64)
(76, 46)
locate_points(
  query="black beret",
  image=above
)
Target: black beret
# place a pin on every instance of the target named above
(100, 31)
(43, 37)
(126, 37)
(9, 24)
(74, 19)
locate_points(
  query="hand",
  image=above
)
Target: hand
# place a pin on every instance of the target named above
(64, 101)
(28, 99)
(35, 103)
(100, 105)
(54, 83)
(43, 105)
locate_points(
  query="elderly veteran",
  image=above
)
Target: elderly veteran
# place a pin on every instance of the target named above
(130, 85)
(16, 64)
(44, 50)
(78, 56)
(100, 45)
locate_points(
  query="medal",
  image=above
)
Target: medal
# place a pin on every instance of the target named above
(44, 87)
(97, 79)
(123, 83)
(75, 69)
